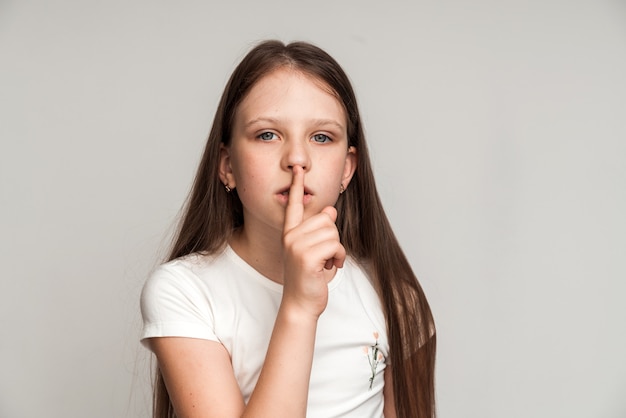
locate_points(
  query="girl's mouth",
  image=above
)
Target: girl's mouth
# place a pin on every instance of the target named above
(285, 191)
(283, 196)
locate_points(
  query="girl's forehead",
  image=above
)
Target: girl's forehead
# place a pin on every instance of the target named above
(283, 77)
(286, 91)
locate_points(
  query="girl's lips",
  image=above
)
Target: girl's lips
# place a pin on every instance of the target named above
(285, 191)
(283, 197)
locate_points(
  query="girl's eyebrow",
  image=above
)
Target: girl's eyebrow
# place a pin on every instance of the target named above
(313, 122)
(261, 120)
(326, 122)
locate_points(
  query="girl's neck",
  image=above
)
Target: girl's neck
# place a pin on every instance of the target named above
(261, 251)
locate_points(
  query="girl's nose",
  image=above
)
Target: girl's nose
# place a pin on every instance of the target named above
(296, 153)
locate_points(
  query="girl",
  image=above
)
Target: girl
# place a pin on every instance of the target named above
(286, 293)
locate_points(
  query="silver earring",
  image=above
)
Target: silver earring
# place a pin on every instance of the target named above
(341, 189)
(228, 189)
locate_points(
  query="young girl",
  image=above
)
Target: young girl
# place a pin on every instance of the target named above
(286, 293)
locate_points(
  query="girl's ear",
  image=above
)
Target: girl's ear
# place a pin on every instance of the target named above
(225, 170)
(349, 167)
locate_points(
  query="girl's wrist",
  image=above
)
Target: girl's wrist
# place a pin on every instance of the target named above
(295, 313)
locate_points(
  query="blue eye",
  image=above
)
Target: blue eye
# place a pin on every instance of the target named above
(321, 138)
(267, 136)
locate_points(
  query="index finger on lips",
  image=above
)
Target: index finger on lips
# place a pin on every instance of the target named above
(294, 212)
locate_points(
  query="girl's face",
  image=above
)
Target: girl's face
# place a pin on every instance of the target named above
(288, 118)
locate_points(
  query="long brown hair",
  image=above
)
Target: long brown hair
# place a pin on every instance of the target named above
(211, 215)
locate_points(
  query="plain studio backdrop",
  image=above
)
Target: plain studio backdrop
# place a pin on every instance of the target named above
(498, 137)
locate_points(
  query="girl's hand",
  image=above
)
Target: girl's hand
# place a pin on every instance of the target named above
(312, 252)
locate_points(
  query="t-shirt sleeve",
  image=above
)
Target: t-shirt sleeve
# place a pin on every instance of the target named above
(175, 303)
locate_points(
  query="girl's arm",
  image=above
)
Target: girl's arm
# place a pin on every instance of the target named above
(283, 386)
(199, 377)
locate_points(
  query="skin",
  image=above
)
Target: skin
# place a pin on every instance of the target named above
(289, 135)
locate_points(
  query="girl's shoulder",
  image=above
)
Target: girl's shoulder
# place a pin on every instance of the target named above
(176, 299)
(194, 264)
(185, 273)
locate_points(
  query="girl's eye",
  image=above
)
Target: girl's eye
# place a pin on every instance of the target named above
(321, 138)
(267, 136)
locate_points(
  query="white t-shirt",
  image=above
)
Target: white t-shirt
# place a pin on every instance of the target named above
(222, 298)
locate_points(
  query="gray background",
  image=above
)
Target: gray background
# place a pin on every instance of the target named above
(498, 136)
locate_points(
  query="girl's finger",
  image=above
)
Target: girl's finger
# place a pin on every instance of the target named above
(294, 213)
